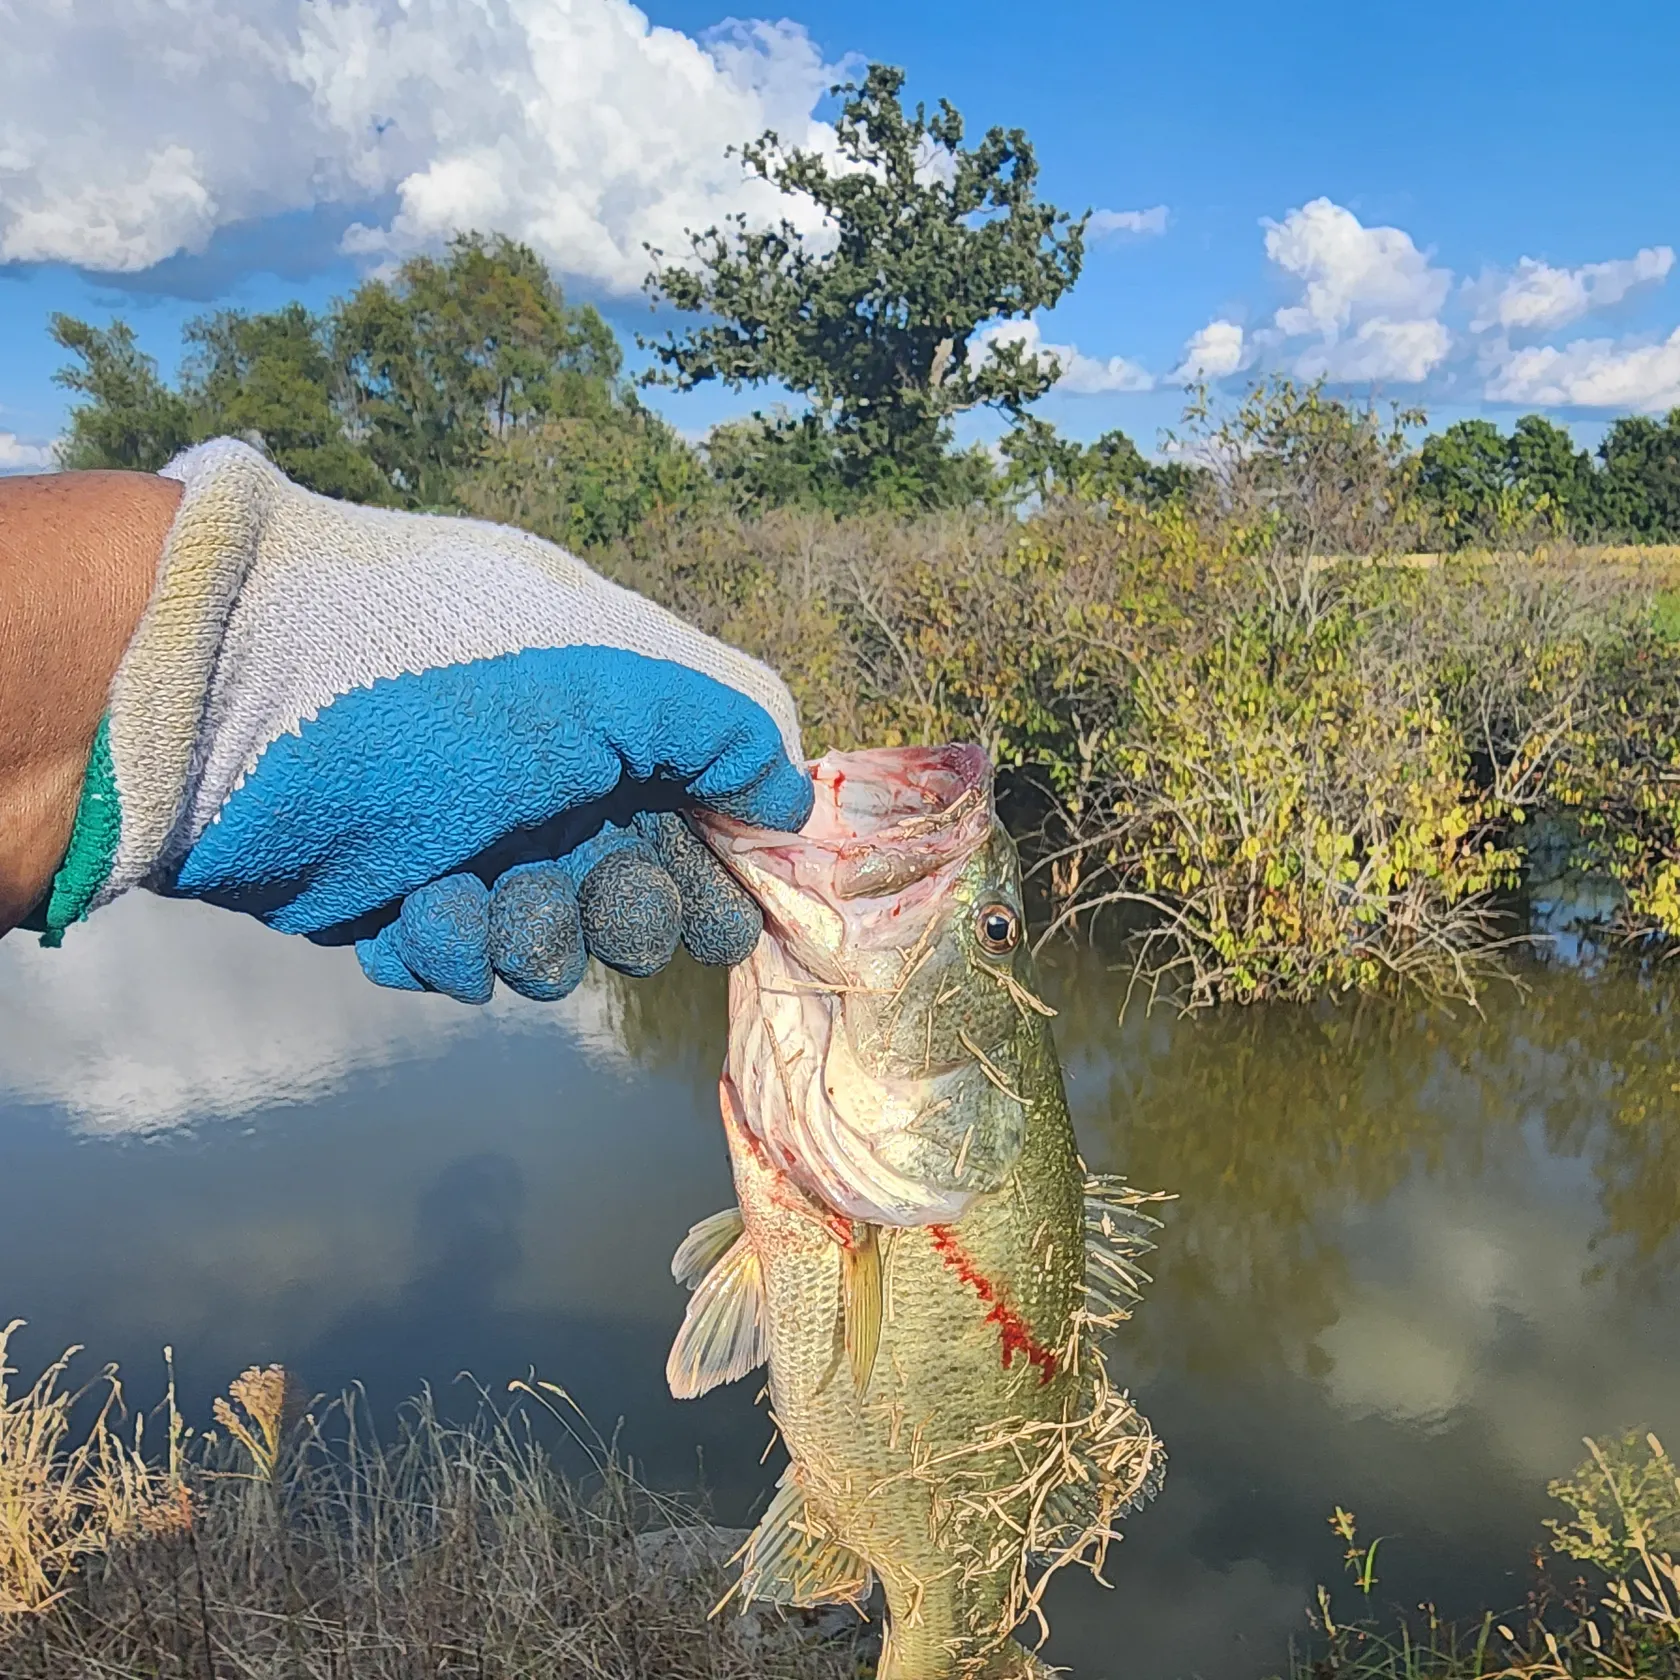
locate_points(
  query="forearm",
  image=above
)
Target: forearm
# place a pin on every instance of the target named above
(78, 557)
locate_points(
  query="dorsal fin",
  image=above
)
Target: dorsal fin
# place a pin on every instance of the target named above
(785, 1561)
(705, 1245)
(722, 1334)
(861, 1301)
(1115, 1240)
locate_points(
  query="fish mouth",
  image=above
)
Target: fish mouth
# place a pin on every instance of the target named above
(881, 821)
(853, 905)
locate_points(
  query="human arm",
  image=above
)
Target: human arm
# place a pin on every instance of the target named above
(444, 739)
(78, 555)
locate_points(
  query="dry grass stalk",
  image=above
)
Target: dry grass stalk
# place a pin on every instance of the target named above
(64, 1500)
(297, 1544)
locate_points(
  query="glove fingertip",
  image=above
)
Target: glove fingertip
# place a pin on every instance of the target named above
(723, 934)
(382, 965)
(721, 923)
(443, 934)
(536, 939)
(780, 798)
(631, 913)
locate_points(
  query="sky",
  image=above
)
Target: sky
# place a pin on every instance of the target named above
(1468, 207)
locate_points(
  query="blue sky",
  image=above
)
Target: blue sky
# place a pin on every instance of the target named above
(1469, 206)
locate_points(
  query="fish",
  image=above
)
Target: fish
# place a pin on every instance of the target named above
(918, 1256)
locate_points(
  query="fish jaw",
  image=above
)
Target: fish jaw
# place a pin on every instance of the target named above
(863, 944)
(883, 1150)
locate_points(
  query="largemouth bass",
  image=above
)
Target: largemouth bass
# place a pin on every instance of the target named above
(918, 1254)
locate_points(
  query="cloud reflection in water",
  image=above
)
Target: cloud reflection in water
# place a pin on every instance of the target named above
(156, 1014)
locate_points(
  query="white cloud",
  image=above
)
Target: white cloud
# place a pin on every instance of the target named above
(1591, 373)
(1537, 297)
(18, 456)
(1404, 351)
(159, 1013)
(1350, 269)
(1370, 297)
(1212, 352)
(1106, 223)
(1079, 375)
(1425, 1336)
(577, 126)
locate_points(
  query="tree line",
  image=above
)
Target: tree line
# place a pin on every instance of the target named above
(468, 381)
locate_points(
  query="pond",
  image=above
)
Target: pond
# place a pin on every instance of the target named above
(1415, 1257)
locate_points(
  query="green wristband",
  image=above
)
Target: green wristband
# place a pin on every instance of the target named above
(93, 845)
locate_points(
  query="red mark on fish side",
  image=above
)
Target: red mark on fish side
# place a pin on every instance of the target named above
(1013, 1330)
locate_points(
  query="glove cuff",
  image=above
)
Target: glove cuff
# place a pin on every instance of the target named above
(146, 751)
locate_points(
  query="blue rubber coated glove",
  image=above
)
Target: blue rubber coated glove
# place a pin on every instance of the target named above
(448, 741)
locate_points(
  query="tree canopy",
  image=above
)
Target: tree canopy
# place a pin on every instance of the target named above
(876, 321)
(129, 417)
(1641, 477)
(461, 349)
(1484, 486)
(466, 380)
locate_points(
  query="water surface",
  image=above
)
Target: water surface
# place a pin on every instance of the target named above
(1414, 1257)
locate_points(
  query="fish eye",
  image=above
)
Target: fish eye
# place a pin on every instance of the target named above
(998, 928)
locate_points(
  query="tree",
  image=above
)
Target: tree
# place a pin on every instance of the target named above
(875, 324)
(797, 460)
(1641, 478)
(459, 350)
(271, 378)
(130, 419)
(583, 483)
(1553, 474)
(1461, 477)
(1043, 463)
(1484, 487)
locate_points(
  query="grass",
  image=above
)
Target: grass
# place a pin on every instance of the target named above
(290, 1542)
(1619, 1619)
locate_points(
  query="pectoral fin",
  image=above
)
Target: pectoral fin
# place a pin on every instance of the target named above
(722, 1335)
(861, 1297)
(705, 1245)
(785, 1561)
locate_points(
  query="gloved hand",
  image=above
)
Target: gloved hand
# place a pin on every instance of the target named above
(448, 740)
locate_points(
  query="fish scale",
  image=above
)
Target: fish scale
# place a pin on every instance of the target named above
(934, 1370)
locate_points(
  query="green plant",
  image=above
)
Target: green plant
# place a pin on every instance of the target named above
(1297, 765)
(583, 482)
(1620, 781)
(1625, 1504)
(1361, 1561)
